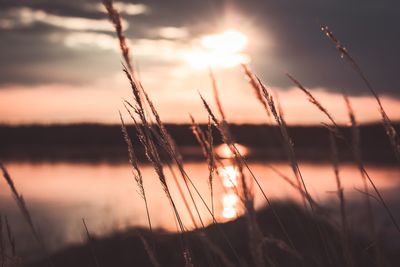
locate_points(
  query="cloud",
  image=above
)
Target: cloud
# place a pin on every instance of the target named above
(124, 8)
(24, 17)
(6, 24)
(86, 40)
(172, 32)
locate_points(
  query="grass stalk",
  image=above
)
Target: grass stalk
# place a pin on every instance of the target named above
(355, 146)
(210, 162)
(144, 139)
(90, 243)
(185, 202)
(292, 157)
(25, 212)
(213, 159)
(255, 234)
(10, 237)
(387, 123)
(269, 107)
(342, 202)
(170, 147)
(115, 18)
(237, 154)
(313, 100)
(135, 169)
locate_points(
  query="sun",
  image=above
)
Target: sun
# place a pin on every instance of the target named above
(221, 50)
(230, 41)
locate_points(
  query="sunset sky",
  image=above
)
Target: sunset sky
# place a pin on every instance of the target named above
(60, 60)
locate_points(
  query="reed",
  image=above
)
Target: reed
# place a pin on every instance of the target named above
(25, 212)
(355, 147)
(135, 169)
(115, 18)
(346, 247)
(387, 123)
(213, 160)
(255, 234)
(210, 162)
(144, 130)
(269, 106)
(206, 143)
(170, 147)
(216, 94)
(255, 243)
(256, 88)
(313, 100)
(289, 147)
(11, 240)
(90, 242)
(357, 156)
(154, 158)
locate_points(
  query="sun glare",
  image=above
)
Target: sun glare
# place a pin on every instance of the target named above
(230, 41)
(229, 202)
(222, 50)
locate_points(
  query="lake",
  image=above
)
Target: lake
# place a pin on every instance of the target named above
(60, 194)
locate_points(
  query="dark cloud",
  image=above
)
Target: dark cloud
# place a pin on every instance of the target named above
(368, 28)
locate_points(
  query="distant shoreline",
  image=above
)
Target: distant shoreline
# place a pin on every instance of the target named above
(97, 142)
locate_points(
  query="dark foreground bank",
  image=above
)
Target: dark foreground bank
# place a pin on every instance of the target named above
(314, 241)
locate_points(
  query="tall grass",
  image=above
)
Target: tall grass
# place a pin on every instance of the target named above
(387, 123)
(255, 241)
(355, 148)
(346, 248)
(289, 147)
(90, 241)
(25, 212)
(135, 169)
(255, 234)
(268, 102)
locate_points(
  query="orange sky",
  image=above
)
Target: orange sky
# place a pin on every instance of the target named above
(176, 97)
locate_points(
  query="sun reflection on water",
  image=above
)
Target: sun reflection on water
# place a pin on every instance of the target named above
(223, 151)
(229, 175)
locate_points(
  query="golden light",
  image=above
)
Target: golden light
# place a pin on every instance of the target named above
(222, 50)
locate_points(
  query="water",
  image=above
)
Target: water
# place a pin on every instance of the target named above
(60, 194)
